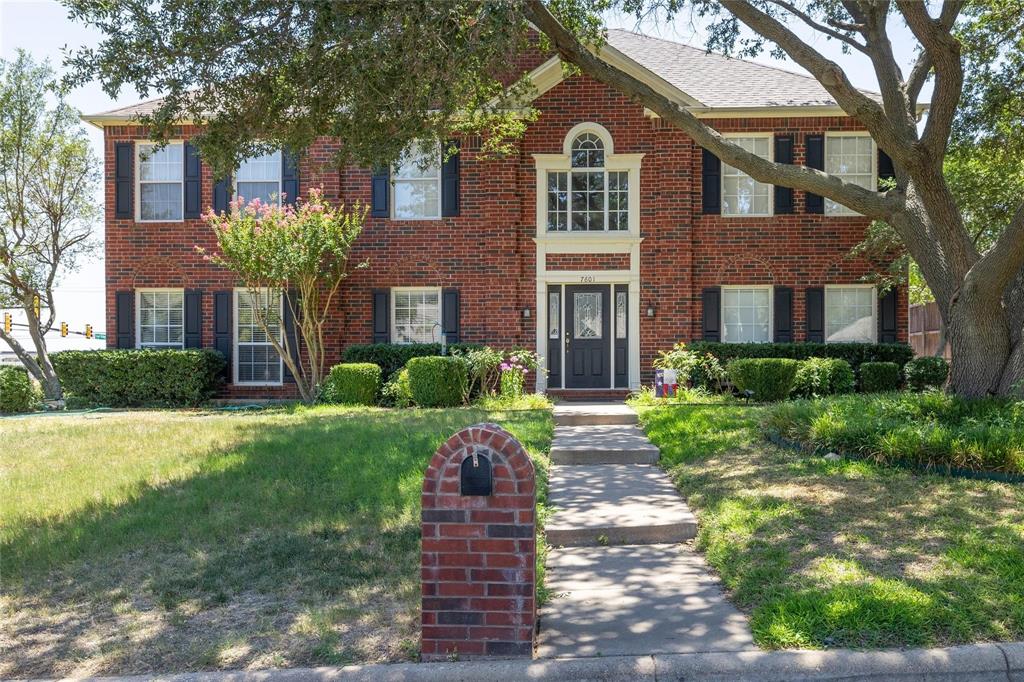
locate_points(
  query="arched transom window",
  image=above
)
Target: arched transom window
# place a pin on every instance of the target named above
(588, 198)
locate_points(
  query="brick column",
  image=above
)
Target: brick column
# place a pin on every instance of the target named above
(479, 550)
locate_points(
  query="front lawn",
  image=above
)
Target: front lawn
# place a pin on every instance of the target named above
(848, 553)
(168, 541)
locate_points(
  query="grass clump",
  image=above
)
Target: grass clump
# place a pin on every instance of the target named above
(932, 430)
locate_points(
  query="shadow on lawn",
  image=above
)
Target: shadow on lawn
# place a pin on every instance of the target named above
(304, 512)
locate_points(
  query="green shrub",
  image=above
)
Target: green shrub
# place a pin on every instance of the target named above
(392, 357)
(397, 392)
(818, 377)
(769, 379)
(877, 377)
(437, 381)
(697, 370)
(129, 378)
(926, 372)
(354, 383)
(18, 393)
(853, 353)
(927, 429)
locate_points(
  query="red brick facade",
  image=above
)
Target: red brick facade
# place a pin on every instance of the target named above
(488, 252)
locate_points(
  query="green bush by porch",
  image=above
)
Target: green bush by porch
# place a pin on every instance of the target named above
(854, 353)
(352, 383)
(392, 357)
(439, 381)
(767, 379)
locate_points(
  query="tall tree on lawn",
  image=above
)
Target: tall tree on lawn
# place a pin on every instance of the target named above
(48, 183)
(404, 71)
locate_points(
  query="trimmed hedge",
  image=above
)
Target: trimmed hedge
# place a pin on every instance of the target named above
(17, 392)
(437, 381)
(770, 379)
(926, 372)
(853, 353)
(131, 378)
(391, 357)
(878, 377)
(823, 376)
(353, 383)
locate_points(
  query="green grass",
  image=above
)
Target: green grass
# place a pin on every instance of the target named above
(174, 540)
(850, 553)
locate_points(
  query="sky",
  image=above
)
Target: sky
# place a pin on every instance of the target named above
(43, 28)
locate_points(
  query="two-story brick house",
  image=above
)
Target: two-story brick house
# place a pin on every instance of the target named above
(607, 237)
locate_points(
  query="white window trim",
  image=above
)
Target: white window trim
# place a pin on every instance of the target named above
(440, 313)
(138, 317)
(771, 309)
(552, 163)
(393, 180)
(771, 192)
(138, 181)
(235, 344)
(847, 212)
(874, 310)
(280, 178)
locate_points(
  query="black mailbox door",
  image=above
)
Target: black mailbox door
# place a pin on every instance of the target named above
(476, 475)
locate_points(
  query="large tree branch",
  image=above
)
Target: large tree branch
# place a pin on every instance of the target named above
(822, 28)
(915, 82)
(869, 203)
(887, 70)
(1000, 265)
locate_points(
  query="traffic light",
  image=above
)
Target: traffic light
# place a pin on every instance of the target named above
(63, 329)
(88, 331)
(7, 323)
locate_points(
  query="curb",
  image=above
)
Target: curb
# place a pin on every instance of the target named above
(967, 663)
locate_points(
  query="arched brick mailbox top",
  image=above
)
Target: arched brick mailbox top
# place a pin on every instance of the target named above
(479, 551)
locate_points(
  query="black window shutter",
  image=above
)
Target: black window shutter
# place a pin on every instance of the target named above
(783, 315)
(814, 158)
(124, 162)
(888, 308)
(193, 204)
(124, 302)
(711, 182)
(783, 154)
(222, 326)
(290, 332)
(886, 171)
(381, 315)
(222, 195)
(815, 313)
(450, 315)
(450, 182)
(193, 318)
(712, 313)
(380, 186)
(289, 177)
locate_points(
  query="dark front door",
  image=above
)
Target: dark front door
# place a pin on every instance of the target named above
(588, 341)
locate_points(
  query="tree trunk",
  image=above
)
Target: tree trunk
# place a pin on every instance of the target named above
(979, 338)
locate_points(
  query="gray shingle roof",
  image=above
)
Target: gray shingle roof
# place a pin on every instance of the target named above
(717, 81)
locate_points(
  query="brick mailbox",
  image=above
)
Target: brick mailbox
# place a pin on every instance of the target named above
(479, 548)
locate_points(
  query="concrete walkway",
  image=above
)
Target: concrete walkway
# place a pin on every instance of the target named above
(623, 584)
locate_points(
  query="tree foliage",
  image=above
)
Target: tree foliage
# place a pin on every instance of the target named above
(48, 183)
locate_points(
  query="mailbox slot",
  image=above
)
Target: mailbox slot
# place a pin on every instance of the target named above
(476, 475)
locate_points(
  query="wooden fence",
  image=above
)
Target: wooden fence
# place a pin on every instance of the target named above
(925, 323)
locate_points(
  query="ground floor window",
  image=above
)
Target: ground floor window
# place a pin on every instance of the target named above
(416, 315)
(161, 318)
(256, 360)
(746, 314)
(850, 314)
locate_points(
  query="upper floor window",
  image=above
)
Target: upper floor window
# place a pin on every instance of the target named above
(260, 178)
(161, 182)
(588, 198)
(417, 185)
(161, 318)
(852, 158)
(741, 194)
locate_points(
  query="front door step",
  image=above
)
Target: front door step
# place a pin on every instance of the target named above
(632, 600)
(582, 414)
(602, 444)
(614, 505)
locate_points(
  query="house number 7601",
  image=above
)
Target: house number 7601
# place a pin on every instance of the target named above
(587, 279)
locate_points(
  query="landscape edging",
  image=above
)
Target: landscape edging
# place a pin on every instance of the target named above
(968, 663)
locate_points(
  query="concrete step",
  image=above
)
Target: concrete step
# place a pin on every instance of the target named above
(615, 504)
(584, 414)
(631, 600)
(602, 444)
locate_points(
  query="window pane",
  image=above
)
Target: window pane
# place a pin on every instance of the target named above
(741, 194)
(266, 192)
(160, 201)
(163, 164)
(417, 198)
(745, 315)
(417, 316)
(161, 319)
(265, 168)
(424, 161)
(587, 151)
(587, 315)
(558, 202)
(849, 314)
(620, 314)
(554, 313)
(258, 362)
(850, 157)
